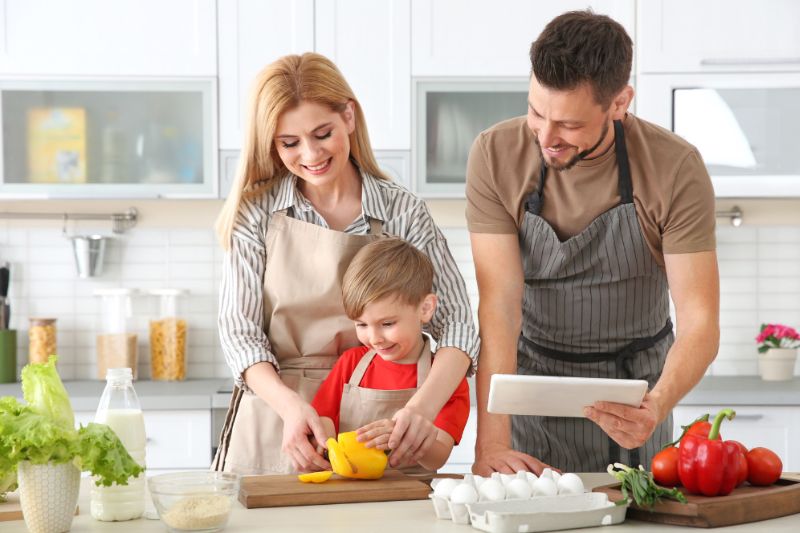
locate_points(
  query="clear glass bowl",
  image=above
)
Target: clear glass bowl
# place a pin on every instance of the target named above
(194, 501)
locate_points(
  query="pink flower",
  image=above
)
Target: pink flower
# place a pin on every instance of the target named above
(777, 336)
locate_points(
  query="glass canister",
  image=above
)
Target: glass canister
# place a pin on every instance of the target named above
(168, 337)
(116, 344)
(41, 339)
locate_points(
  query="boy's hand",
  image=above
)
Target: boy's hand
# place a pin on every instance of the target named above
(376, 434)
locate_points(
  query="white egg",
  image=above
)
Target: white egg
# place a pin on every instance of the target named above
(518, 488)
(464, 493)
(445, 487)
(547, 473)
(570, 484)
(505, 478)
(544, 487)
(556, 476)
(497, 476)
(492, 491)
(478, 480)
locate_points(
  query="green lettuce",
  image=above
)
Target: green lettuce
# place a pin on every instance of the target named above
(43, 431)
(44, 392)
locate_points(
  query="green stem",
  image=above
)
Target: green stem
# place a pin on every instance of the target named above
(725, 413)
(703, 418)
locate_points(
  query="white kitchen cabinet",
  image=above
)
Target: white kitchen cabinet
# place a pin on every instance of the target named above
(463, 455)
(370, 43)
(773, 427)
(718, 35)
(252, 34)
(175, 439)
(479, 38)
(102, 38)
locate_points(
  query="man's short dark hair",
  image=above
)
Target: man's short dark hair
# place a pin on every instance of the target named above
(581, 46)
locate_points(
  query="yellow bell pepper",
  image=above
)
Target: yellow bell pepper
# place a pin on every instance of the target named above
(352, 459)
(315, 477)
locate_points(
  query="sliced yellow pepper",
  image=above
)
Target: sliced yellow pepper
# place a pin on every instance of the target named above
(338, 459)
(315, 477)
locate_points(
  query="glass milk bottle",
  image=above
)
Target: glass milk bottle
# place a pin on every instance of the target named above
(119, 409)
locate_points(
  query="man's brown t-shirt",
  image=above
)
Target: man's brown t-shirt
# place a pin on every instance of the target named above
(672, 191)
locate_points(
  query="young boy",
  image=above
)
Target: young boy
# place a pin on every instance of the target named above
(387, 292)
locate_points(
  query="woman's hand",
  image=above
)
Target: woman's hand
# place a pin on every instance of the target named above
(301, 424)
(411, 437)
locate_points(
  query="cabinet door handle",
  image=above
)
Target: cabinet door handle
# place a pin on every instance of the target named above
(750, 417)
(733, 61)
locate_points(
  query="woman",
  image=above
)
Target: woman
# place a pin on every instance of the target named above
(308, 196)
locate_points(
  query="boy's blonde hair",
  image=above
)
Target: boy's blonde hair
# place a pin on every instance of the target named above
(386, 267)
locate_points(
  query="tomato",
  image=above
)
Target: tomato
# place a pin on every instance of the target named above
(764, 466)
(743, 468)
(665, 467)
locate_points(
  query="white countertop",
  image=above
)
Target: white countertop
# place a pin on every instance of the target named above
(384, 517)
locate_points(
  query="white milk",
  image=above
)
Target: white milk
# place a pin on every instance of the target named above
(122, 502)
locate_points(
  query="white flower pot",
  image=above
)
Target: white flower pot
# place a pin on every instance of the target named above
(777, 364)
(48, 495)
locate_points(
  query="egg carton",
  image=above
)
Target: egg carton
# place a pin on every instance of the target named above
(545, 513)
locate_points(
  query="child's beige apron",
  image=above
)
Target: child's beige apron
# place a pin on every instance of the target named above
(308, 329)
(360, 405)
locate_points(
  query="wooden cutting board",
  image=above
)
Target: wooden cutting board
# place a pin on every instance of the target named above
(280, 491)
(743, 505)
(11, 509)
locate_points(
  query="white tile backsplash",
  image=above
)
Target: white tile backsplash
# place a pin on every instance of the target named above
(759, 268)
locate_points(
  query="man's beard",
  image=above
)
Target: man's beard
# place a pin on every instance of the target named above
(577, 157)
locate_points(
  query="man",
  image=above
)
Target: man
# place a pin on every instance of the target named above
(583, 219)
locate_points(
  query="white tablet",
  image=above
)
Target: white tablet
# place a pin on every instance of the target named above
(559, 396)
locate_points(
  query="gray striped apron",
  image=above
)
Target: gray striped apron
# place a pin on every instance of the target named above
(595, 305)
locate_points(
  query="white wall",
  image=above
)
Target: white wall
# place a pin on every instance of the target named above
(173, 246)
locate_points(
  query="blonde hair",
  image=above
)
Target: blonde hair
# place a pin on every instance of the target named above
(280, 87)
(386, 267)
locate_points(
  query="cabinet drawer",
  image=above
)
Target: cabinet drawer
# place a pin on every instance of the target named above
(175, 439)
(757, 425)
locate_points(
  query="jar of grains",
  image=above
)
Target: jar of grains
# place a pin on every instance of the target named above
(168, 337)
(116, 344)
(41, 339)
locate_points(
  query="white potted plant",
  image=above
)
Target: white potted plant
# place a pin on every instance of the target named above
(778, 351)
(42, 451)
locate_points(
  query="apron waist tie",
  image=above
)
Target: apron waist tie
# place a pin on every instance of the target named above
(622, 368)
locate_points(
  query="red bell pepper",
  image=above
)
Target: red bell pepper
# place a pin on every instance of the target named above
(709, 465)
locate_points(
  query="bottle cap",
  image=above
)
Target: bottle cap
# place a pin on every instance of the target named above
(119, 374)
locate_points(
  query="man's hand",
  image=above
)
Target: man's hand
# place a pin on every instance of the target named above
(499, 458)
(630, 427)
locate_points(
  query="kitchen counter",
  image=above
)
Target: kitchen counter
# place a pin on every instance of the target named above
(206, 393)
(386, 517)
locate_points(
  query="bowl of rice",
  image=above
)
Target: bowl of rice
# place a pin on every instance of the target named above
(194, 501)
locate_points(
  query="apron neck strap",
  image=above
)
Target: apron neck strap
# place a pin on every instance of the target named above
(361, 368)
(375, 226)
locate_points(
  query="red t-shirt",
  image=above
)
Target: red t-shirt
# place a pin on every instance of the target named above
(386, 375)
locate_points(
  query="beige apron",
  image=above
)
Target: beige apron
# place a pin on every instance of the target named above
(308, 329)
(361, 405)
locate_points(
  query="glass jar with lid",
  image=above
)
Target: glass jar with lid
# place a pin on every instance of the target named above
(168, 337)
(116, 343)
(41, 339)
